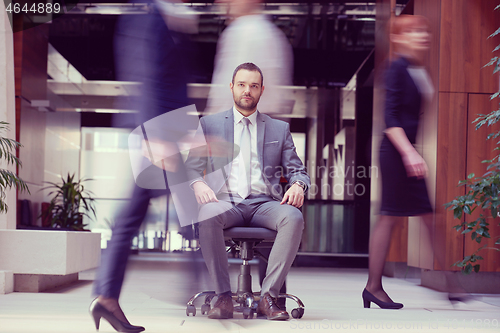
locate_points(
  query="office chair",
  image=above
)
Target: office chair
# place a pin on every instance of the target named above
(247, 241)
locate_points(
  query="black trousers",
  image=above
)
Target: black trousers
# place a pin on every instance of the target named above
(111, 273)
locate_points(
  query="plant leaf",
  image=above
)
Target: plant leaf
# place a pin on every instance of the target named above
(492, 61)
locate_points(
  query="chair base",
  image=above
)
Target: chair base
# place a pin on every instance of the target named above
(245, 241)
(247, 303)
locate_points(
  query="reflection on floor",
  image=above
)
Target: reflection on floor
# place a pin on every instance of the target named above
(158, 285)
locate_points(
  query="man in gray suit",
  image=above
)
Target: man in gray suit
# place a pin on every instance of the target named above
(241, 188)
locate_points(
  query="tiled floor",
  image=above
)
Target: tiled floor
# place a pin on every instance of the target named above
(157, 288)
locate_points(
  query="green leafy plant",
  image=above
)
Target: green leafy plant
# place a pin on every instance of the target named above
(8, 178)
(69, 198)
(483, 192)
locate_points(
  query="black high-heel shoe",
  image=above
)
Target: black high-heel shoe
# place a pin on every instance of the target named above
(368, 298)
(98, 311)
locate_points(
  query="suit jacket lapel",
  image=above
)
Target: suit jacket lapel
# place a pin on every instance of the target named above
(261, 129)
(229, 133)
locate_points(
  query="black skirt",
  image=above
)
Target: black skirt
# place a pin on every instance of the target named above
(401, 195)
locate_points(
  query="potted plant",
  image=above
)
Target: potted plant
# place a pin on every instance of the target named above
(483, 192)
(69, 204)
(8, 178)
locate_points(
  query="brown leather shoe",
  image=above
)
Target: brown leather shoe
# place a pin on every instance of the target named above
(268, 307)
(223, 308)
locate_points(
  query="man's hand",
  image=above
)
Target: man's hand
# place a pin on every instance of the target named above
(203, 193)
(294, 196)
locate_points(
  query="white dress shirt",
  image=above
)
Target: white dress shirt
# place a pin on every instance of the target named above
(258, 186)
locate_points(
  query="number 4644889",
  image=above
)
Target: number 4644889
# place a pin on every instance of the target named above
(36, 8)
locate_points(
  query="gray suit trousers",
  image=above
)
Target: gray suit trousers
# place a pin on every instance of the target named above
(254, 211)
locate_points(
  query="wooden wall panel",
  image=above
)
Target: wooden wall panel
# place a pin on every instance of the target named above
(451, 168)
(465, 49)
(18, 65)
(398, 251)
(18, 60)
(459, 50)
(419, 253)
(30, 68)
(34, 62)
(431, 9)
(478, 149)
(30, 60)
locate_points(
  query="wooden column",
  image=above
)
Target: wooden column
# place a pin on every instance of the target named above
(30, 60)
(459, 49)
(478, 150)
(449, 143)
(451, 158)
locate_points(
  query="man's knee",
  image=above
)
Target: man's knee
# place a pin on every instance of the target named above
(292, 217)
(209, 211)
(212, 215)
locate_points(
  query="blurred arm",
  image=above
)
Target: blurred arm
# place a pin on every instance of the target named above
(414, 163)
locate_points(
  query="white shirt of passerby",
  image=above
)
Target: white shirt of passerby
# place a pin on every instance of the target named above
(252, 38)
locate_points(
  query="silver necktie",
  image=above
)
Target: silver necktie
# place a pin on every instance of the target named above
(244, 165)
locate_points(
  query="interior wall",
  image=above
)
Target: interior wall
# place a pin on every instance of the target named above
(30, 52)
(461, 71)
(51, 140)
(478, 150)
(420, 246)
(7, 106)
(447, 140)
(463, 86)
(32, 154)
(451, 158)
(62, 147)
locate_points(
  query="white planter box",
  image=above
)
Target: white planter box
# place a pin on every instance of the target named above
(58, 253)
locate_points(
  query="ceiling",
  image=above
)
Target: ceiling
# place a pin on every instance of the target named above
(330, 41)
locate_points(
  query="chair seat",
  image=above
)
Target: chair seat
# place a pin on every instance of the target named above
(245, 241)
(249, 232)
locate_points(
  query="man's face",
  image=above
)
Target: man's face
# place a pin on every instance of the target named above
(247, 89)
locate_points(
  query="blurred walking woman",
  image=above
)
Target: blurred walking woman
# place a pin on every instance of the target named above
(403, 170)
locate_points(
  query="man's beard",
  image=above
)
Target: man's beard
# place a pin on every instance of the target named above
(247, 107)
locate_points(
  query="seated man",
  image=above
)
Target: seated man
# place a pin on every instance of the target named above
(247, 193)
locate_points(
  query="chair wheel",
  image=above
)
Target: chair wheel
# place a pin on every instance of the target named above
(205, 308)
(248, 313)
(190, 309)
(297, 313)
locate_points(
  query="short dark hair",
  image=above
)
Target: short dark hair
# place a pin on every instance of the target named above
(249, 66)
